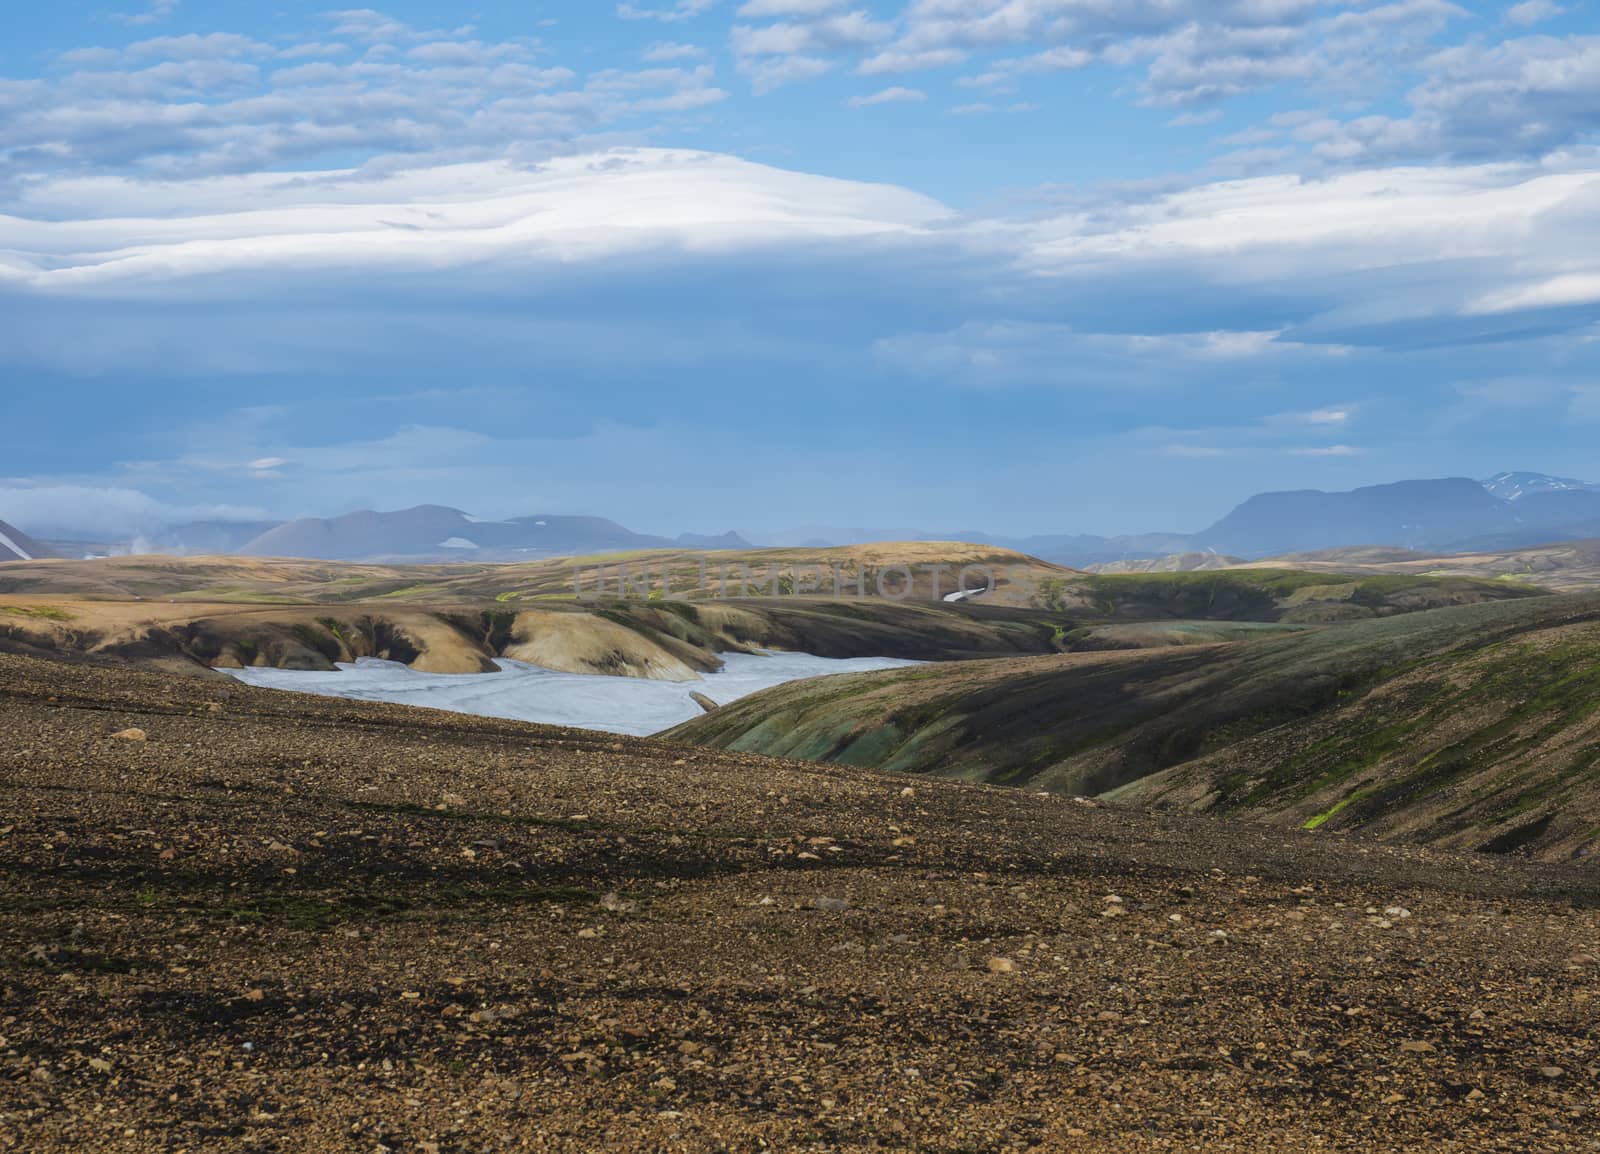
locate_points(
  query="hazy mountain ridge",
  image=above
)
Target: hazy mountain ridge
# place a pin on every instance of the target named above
(1510, 510)
(437, 532)
(1448, 515)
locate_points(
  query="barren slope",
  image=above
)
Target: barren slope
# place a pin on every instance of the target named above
(288, 923)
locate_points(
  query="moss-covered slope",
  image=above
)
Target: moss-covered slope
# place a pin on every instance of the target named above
(1476, 726)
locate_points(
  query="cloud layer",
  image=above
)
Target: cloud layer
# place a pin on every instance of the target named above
(565, 209)
(1452, 241)
(618, 263)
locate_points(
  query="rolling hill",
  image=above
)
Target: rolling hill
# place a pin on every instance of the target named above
(1474, 727)
(233, 611)
(1171, 563)
(690, 573)
(1564, 566)
(1268, 594)
(198, 613)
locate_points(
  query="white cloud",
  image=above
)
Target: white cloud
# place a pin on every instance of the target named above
(172, 107)
(157, 11)
(802, 47)
(1531, 12)
(1058, 59)
(111, 511)
(444, 94)
(682, 10)
(467, 52)
(1520, 98)
(757, 9)
(899, 60)
(313, 49)
(1035, 353)
(1552, 292)
(568, 209)
(664, 52)
(216, 45)
(770, 74)
(1477, 226)
(890, 96)
(1454, 242)
(825, 33)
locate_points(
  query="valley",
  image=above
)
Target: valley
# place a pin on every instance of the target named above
(1446, 708)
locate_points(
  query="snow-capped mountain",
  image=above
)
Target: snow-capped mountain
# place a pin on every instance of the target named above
(1516, 485)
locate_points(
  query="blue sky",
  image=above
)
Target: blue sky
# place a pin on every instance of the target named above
(1018, 265)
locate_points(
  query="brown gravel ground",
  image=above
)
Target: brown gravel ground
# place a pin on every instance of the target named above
(287, 923)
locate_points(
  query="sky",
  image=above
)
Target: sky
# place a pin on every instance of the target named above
(1023, 266)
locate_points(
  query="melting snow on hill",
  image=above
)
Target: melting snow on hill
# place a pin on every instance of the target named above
(529, 693)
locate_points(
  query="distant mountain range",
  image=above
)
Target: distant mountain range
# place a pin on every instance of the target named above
(434, 532)
(1508, 511)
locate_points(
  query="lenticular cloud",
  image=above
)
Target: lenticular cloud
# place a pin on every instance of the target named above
(568, 209)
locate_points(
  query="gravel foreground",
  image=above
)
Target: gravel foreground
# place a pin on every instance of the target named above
(272, 922)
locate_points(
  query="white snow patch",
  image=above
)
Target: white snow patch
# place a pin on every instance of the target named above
(458, 543)
(8, 543)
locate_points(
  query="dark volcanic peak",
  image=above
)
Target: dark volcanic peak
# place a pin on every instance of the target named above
(1411, 514)
(15, 545)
